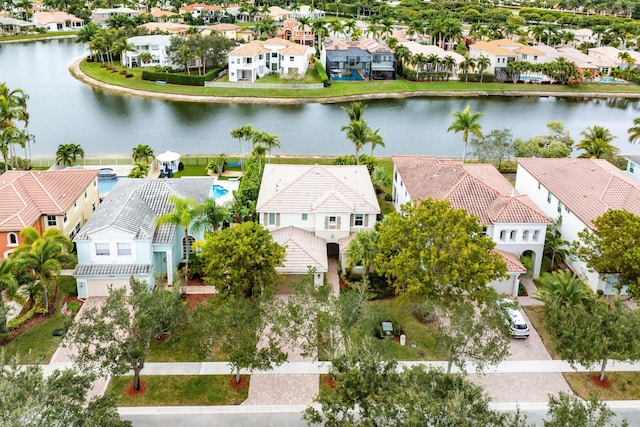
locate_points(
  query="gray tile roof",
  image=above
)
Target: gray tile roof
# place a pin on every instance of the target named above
(134, 204)
(112, 270)
(316, 188)
(634, 158)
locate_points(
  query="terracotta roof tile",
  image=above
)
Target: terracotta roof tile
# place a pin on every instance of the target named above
(588, 187)
(513, 263)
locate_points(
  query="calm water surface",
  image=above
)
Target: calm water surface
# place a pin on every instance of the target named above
(64, 110)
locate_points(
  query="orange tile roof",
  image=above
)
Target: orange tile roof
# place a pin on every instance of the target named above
(513, 263)
(478, 188)
(588, 187)
(26, 196)
(200, 6)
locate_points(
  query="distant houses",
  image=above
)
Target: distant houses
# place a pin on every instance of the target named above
(55, 21)
(365, 59)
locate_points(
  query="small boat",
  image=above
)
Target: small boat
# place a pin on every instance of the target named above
(106, 173)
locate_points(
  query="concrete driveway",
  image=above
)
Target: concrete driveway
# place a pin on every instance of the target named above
(530, 348)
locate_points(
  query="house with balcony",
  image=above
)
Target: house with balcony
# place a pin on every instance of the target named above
(365, 59)
(315, 210)
(156, 45)
(428, 50)
(57, 21)
(501, 52)
(122, 240)
(577, 191)
(510, 219)
(293, 31)
(207, 12)
(100, 16)
(64, 199)
(258, 58)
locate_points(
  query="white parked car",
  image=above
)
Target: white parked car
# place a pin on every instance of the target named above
(519, 327)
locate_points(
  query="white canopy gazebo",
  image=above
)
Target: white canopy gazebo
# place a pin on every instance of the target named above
(168, 162)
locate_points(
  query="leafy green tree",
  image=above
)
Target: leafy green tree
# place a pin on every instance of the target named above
(568, 411)
(242, 260)
(67, 154)
(13, 118)
(362, 251)
(143, 153)
(634, 131)
(213, 215)
(371, 392)
(473, 333)
(184, 214)
(9, 284)
(556, 144)
(28, 398)
(467, 123)
(140, 170)
(115, 338)
(597, 143)
(436, 251)
(613, 248)
(496, 146)
(375, 140)
(380, 179)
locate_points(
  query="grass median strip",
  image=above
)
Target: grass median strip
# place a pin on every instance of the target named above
(619, 385)
(180, 390)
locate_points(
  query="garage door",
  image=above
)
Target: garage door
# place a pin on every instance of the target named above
(100, 287)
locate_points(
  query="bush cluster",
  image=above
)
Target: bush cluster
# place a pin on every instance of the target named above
(180, 78)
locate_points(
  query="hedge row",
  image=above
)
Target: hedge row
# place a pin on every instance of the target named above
(181, 79)
(322, 74)
(21, 320)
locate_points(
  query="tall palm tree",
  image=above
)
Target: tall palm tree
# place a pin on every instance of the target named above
(319, 29)
(8, 283)
(468, 64)
(304, 24)
(375, 140)
(269, 141)
(184, 213)
(67, 154)
(555, 247)
(403, 55)
(563, 288)
(467, 123)
(448, 62)
(243, 133)
(634, 131)
(355, 110)
(362, 251)
(143, 153)
(483, 63)
(359, 133)
(13, 116)
(597, 143)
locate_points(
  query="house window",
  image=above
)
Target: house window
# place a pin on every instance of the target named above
(358, 220)
(272, 219)
(524, 56)
(65, 218)
(503, 235)
(124, 249)
(75, 206)
(548, 196)
(86, 196)
(249, 60)
(395, 176)
(51, 221)
(525, 236)
(102, 249)
(12, 239)
(559, 207)
(94, 206)
(484, 231)
(274, 55)
(535, 57)
(566, 209)
(539, 186)
(333, 221)
(512, 235)
(631, 167)
(95, 183)
(536, 235)
(77, 229)
(291, 59)
(305, 217)
(260, 56)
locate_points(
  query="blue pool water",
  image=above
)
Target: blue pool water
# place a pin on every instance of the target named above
(218, 191)
(607, 80)
(106, 184)
(354, 76)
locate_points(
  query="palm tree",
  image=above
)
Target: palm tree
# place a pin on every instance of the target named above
(8, 283)
(483, 63)
(563, 288)
(359, 133)
(13, 116)
(555, 247)
(304, 23)
(375, 140)
(467, 123)
(355, 111)
(140, 170)
(143, 153)
(380, 179)
(362, 251)
(44, 256)
(419, 60)
(213, 215)
(319, 28)
(597, 143)
(448, 62)
(403, 54)
(67, 154)
(184, 213)
(243, 133)
(468, 64)
(267, 140)
(634, 131)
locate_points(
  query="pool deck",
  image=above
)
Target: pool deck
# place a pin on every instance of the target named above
(228, 185)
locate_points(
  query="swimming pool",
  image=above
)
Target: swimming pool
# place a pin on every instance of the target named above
(106, 184)
(354, 76)
(218, 191)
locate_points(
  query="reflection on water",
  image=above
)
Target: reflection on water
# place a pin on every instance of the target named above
(64, 110)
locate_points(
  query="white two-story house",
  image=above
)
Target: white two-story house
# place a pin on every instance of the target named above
(121, 240)
(326, 205)
(511, 219)
(578, 191)
(258, 58)
(156, 45)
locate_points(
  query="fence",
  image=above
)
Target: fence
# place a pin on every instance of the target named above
(48, 161)
(246, 85)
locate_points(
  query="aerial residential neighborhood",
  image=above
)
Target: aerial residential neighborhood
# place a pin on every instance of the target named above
(349, 213)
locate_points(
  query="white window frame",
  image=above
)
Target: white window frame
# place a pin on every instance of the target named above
(123, 248)
(102, 249)
(12, 239)
(52, 221)
(305, 217)
(536, 235)
(525, 235)
(358, 218)
(271, 218)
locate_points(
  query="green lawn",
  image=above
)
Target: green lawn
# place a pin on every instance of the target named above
(398, 310)
(624, 385)
(337, 89)
(180, 390)
(27, 37)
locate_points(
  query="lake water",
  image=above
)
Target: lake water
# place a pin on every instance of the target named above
(64, 110)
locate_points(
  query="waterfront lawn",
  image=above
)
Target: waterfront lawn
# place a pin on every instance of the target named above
(337, 89)
(536, 317)
(624, 385)
(38, 36)
(180, 390)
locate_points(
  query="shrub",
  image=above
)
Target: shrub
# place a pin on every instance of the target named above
(15, 323)
(388, 198)
(181, 79)
(73, 307)
(322, 73)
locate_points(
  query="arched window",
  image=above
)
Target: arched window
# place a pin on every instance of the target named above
(12, 239)
(187, 240)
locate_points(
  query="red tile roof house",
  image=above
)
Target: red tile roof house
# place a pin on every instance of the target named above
(579, 191)
(511, 219)
(64, 199)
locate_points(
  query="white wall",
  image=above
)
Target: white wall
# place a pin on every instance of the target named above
(633, 170)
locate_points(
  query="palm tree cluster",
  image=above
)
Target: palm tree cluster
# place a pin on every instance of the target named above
(597, 143)
(14, 121)
(262, 141)
(561, 70)
(68, 154)
(359, 132)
